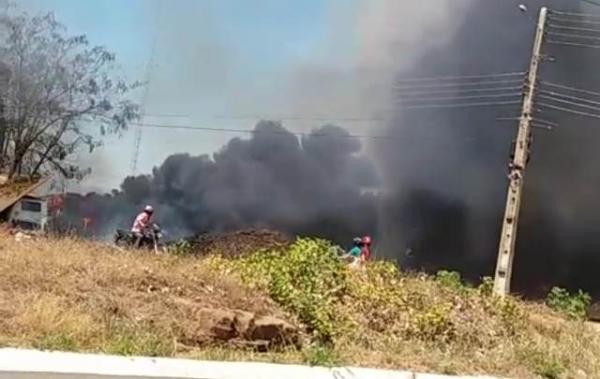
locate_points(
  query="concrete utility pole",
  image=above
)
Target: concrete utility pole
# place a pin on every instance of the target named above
(510, 223)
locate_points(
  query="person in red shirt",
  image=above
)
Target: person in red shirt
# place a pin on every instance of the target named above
(141, 224)
(365, 252)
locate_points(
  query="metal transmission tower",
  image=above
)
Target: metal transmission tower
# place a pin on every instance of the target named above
(510, 222)
(137, 138)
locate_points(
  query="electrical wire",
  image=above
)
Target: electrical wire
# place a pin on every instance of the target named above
(252, 131)
(593, 2)
(545, 121)
(465, 105)
(569, 35)
(542, 126)
(567, 110)
(461, 91)
(574, 89)
(459, 85)
(581, 15)
(299, 118)
(556, 94)
(573, 44)
(383, 138)
(533, 120)
(568, 102)
(574, 28)
(560, 19)
(466, 97)
(433, 78)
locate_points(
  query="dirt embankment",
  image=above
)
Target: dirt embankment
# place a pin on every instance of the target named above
(75, 295)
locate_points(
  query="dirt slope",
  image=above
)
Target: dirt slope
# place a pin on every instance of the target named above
(82, 296)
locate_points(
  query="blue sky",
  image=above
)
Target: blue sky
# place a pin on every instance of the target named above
(211, 57)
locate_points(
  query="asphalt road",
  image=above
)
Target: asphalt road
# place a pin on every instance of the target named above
(14, 375)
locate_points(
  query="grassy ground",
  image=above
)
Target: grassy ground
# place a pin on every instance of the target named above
(81, 296)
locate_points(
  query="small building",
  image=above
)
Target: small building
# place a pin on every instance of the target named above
(22, 207)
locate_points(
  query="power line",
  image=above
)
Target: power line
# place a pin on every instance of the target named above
(538, 123)
(571, 21)
(573, 44)
(567, 110)
(464, 105)
(253, 131)
(593, 2)
(569, 35)
(461, 91)
(551, 98)
(467, 97)
(383, 138)
(467, 77)
(557, 94)
(300, 118)
(542, 126)
(574, 89)
(575, 28)
(581, 15)
(459, 85)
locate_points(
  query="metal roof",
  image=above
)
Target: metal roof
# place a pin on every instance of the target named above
(11, 193)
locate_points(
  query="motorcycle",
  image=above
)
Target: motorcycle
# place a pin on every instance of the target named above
(150, 239)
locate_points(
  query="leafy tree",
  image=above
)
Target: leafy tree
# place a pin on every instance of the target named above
(59, 95)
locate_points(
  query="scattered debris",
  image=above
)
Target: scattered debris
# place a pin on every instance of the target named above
(238, 243)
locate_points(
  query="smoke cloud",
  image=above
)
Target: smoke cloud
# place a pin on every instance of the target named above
(312, 186)
(449, 189)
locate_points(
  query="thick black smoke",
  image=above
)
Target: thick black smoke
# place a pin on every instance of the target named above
(449, 188)
(308, 186)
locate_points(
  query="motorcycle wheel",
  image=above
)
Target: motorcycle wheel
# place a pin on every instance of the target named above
(120, 241)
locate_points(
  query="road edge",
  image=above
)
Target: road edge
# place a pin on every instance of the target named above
(35, 361)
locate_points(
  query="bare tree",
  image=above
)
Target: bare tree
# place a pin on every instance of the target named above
(61, 96)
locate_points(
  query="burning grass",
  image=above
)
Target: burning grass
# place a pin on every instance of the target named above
(73, 295)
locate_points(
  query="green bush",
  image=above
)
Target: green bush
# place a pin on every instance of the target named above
(449, 279)
(434, 324)
(573, 305)
(321, 356)
(308, 279)
(486, 288)
(181, 247)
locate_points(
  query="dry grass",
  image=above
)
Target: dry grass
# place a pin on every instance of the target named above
(83, 296)
(423, 324)
(74, 295)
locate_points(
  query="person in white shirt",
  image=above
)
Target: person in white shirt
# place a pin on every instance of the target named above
(141, 224)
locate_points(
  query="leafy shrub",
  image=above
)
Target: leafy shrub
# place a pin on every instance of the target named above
(308, 279)
(435, 324)
(486, 288)
(573, 305)
(181, 247)
(321, 356)
(449, 279)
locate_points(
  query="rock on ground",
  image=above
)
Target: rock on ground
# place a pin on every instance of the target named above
(247, 328)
